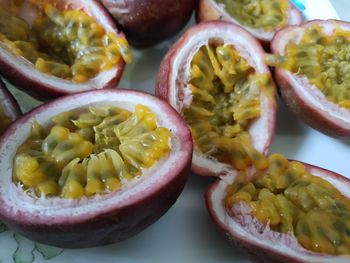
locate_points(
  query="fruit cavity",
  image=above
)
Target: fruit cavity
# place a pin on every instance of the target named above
(67, 44)
(288, 199)
(323, 59)
(90, 152)
(225, 100)
(259, 14)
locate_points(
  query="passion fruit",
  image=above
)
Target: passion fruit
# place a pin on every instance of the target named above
(262, 18)
(289, 212)
(92, 168)
(60, 47)
(148, 22)
(9, 108)
(312, 72)
(215, 76)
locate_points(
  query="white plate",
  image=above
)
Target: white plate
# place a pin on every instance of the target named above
(185, 233)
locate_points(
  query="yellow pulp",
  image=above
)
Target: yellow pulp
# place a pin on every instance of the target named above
(91, 152)
(324, 60)
(68, 44)
(226, 98)
(4, 120)
(291, 200)
(261, 14)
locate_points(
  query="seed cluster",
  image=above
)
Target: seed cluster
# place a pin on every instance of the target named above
(68, 44)
(261, 14)
(226, 98)
(90, 153)
(291, 200)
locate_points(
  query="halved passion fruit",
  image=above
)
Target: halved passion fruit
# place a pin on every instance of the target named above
(92, 168)
(288, 212)
(9, 109)
(215, 76)
(313, 73)
(262, 18)
(60, 47)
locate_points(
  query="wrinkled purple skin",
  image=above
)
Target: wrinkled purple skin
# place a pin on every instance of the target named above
(110, 227)
(148, 22)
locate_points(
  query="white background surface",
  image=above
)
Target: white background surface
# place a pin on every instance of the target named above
(185, 233)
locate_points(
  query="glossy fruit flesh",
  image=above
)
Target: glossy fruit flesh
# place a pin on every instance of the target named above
(323, 59)
(225, 99)
(69, 44)
(89, 153)
(290, 200)
(4, 120)
(259, 14)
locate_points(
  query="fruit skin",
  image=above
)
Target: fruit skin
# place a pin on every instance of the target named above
(113, 221)
(8, 102)
(167, 87)
(148, 22)
(305, 100)
(208, 10)
(22, 74)
(260, 249)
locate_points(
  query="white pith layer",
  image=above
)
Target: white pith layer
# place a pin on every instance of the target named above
(18, 203)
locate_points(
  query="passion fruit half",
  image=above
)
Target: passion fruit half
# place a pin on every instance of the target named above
(289, 212)
(92, 168)
(60, 47)
(9, 108)
(215, 76)
(262, 18)
(312, 72)
(148, 22)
